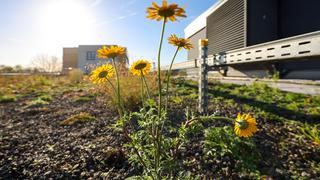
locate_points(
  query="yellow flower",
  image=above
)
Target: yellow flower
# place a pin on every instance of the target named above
(245, 125)
(204, 42)
(171, 12)
(180, 42)
(110, 52)
(140, 67)
(101, 74)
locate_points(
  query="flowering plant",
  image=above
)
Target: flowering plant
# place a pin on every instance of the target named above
(149, 143)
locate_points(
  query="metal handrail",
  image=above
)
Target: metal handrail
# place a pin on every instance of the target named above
(305, 45)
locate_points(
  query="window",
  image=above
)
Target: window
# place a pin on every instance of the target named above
(91, 55)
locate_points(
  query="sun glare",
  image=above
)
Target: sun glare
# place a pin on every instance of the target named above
(65, 21)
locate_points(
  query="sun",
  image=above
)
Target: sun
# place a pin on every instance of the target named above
(65, 22)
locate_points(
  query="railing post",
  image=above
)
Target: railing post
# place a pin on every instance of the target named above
(203, 76)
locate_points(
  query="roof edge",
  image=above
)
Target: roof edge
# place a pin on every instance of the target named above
(201, 21)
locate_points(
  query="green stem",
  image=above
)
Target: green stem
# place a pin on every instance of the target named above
(118, 85)
(142, 91)
(159, 66)
(114, 89)
(208, 117)
(157, 152)
(168, 77)
(138, 154)
(115, 92)
(145, 82)
(140, 159)
(221, 117)
(167, 87)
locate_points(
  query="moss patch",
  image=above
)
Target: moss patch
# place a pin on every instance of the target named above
(83, 99)
(37, 103)
(7, 98)
(46, 98)
(78, 118)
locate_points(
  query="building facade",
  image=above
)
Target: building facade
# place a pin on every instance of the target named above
(84, 57)
(234, 24)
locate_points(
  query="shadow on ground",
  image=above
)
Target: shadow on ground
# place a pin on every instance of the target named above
(267, 107)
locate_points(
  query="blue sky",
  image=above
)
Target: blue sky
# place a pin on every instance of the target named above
(31, 27)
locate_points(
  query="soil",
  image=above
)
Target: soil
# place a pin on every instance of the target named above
(34, 145)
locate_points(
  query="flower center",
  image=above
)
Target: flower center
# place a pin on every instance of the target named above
(112, 54)
(181, 44)
(103, 74)
(166, 12)
(242, 124)
(140, 66)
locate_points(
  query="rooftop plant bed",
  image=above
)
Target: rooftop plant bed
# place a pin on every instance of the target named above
(119, 123)
(36, 141)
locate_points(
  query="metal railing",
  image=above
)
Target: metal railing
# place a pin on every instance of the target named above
(306, 45)
(182, 65)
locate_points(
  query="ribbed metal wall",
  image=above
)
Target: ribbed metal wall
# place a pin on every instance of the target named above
(226, 27)
(194, 40)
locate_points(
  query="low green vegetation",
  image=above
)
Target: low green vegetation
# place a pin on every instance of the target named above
(256, 97)
(78, 118)
(221, 142)
(312, 132)
(197, 146)
(274, 98)
(46, 97)
(7, 98)
(81, 99)
(262, 101)
(37, 102)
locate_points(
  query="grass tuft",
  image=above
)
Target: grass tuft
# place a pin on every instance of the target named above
(312, 132)
(37, 103)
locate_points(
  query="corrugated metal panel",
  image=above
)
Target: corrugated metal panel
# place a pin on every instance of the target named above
(201, 21)
(226, 27)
